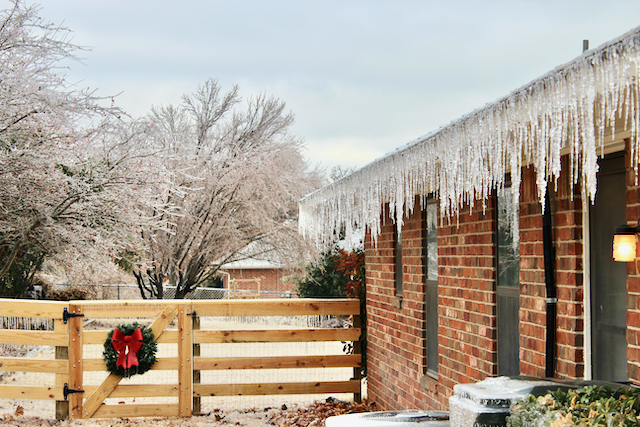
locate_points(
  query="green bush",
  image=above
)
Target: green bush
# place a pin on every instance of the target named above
(18, 281)
(322, 278)
(339, 273)
(587, 406)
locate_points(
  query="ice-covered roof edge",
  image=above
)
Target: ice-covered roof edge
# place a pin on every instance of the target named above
(567, 109)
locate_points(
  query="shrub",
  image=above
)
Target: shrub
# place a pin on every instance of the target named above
(587, 406)
(339, 273)
(18, 281)
(322, 279)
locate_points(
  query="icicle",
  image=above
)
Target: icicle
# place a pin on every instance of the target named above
(565, 111)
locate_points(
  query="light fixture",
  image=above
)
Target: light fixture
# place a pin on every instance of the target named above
(624, 243)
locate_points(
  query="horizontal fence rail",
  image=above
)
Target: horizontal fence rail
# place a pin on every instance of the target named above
(192, 337)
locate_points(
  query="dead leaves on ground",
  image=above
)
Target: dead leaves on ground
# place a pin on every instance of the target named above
(315, 414)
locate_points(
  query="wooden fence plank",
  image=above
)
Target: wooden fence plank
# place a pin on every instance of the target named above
(23, 364)
(123, 312)
(122, 309)
(30, 392)
(280, 362)
(100, 336)
(185, 363)
(29, 308)
(351, 386)
(163, 364)
(277, 335)
(276, 307)
(140, 390)
(22, 337)
(123, 411)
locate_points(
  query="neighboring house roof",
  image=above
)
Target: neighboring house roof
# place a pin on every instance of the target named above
(251, 264)
(574, 109)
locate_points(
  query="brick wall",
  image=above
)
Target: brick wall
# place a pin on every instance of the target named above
(568, 240)
(632, 197)
(395, 326)
(532, 315)
(466, 307)
(566, 205)
(467, 300)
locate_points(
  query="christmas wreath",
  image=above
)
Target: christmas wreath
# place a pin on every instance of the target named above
(130, 350)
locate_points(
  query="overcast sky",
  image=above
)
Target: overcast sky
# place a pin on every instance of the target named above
(362, 77)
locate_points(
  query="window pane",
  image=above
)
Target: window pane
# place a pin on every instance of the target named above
(397, 237)
(508, 240)
(508, 291)
(431, 290)
(432, 242)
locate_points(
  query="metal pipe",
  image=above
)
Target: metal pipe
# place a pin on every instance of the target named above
(550, 286)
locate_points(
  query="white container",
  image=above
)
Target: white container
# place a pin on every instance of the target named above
(408, 418)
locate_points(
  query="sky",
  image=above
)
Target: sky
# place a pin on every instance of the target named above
(362, 77)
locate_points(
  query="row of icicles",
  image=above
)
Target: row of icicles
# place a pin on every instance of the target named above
(568, 111)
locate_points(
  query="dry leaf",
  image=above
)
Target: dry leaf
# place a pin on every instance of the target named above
(19, 411)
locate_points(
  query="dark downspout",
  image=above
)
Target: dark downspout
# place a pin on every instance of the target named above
(550, 286)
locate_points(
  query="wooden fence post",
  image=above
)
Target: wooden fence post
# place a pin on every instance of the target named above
(61, 353)
(357, 371)
(195, 325)
(75, 361)
(185, 361)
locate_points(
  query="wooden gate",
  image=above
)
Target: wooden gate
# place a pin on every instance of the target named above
(175, 325)
(92, 405)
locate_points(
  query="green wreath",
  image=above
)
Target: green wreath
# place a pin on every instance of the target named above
(130, 352)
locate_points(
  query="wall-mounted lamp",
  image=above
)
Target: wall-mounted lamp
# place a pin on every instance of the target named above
(624, 243)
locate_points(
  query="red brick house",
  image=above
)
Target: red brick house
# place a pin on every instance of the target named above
(257, 278)
(488, 241)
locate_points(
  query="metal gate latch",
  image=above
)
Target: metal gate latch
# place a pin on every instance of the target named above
(66, 315)
(67, 391)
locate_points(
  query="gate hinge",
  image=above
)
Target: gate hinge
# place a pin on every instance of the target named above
(67, 391)
(66, 315)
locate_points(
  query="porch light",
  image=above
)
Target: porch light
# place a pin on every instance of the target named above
(624, 243)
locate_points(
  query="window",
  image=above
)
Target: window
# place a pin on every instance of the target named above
(508, 283)
(431, 289)
(397, 253)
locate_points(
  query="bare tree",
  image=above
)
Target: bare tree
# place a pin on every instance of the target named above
(234, 177)
(67, 163)
(339, 172)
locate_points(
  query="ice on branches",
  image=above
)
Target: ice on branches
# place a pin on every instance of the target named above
(568, 111)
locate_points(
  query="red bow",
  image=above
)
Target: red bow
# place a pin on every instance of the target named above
(127, 347)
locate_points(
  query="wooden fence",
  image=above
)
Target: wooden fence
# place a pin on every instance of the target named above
(175, 323)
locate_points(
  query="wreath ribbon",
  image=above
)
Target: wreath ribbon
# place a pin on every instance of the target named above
(127, 347)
